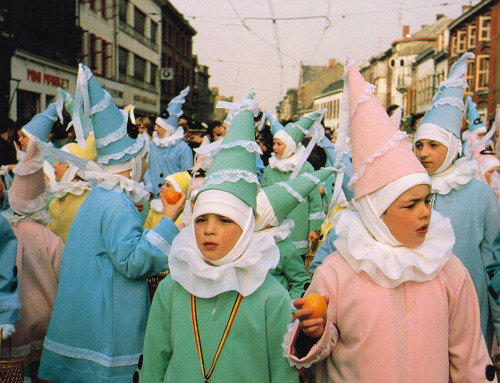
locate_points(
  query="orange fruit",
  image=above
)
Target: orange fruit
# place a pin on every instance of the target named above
(171, 196)
(317, 303)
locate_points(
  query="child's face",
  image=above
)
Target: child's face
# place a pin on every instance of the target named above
(23, 140)
(216, 235)
(160, 131)
(59, 170)
(278, 147)
(431, 154)
(409, 215)
(490, 172)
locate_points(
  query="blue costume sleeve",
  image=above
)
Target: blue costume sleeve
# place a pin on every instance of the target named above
(136, 253)
(326, 248)
(9, 284)
(186, 160)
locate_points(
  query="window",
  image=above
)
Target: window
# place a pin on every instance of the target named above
(482, 72)
(453, 46)
(469, 77)
(139, 21)
(107, 62)
(122, 11)
(154, 31)
(484, 28)
(471, 36)
(461, 41)
(154, 74)
(84, 49)
(123, 61)
(139, 68)
(95, 54)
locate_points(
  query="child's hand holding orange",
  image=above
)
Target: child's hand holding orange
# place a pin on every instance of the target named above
(173, 202)
(312, 314)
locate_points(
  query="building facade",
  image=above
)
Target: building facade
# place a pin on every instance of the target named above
(330, 100)
(288, 107)
(203, 99)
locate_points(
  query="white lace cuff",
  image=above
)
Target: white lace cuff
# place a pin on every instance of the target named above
(318, 352)
(158, 241)
(291, 191)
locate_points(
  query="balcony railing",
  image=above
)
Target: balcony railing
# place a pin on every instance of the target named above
(137, 83)
(129, 30)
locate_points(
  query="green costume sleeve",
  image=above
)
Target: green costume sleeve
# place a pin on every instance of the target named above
(316, 213)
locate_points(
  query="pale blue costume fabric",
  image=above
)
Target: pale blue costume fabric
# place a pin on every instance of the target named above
(475, 217)
(326, 248)
(9, 284)
(165, 161)
(97, 327)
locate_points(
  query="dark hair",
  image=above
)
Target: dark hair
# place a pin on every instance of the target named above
(5, 125)
(414, 119)
(211, 126)
(392, 108)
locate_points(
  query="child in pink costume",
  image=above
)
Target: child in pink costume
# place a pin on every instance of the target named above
(402, 307)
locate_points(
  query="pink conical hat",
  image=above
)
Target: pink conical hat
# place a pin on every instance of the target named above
(379, 152)
(28, 192)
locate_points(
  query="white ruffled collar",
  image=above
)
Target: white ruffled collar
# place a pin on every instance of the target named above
(286, 164)
(157, 205)
(62, 188)
(280, 232)
(454, 178)
(113, 182)
(41, 216)
(245, 275)
(390, 266)
(171, 140)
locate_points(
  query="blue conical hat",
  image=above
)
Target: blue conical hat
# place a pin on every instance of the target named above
(169, 119)
(234, 167)
(475, 121)
(298, 130)
(41, 125)
(113, 143)
(275, 124)
(286, 196)
(447, 104)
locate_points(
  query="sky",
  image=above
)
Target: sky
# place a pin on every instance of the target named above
(246, 51)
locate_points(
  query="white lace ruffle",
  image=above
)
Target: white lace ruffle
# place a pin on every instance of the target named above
(245, 275)
(26, 349)
(287, 164)
(391, 144)
(320, 215)
(297, 126)
(62, 188)
(322, 354)
(91, 355)
(249, 146)
(367, 93)
(312, 178)
(135, 148)
(459, 82)
(116, 183)
(114, 136)
(171, 140)
(10, 304)
(158, 241)
(291, 191)
(389, 266)
(452, 101)
(236, 108)
(156, 205)
(42, 217)
(28, 207)
(101, 105)
(456, 177)
(229, 175)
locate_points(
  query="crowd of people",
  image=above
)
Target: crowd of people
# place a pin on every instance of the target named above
(170, 251)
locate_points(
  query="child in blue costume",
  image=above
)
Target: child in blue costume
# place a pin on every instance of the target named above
(168, 152)
(9, 286)
(286, 157)
(97, 327)
(469, 203)
(219, 284)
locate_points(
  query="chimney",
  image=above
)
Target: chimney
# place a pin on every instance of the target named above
(439, 16)
(406, 31)
(465, 8)
(332, 63)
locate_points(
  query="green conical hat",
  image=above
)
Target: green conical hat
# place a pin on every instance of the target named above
(298, 130)
(286, 196)
(234, 166)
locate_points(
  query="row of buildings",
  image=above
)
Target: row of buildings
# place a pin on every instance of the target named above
(409, 72)
(139, 50)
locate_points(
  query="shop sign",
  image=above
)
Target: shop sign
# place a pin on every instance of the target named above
(46, 79)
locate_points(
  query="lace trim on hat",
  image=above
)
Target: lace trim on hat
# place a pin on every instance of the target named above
(315, 216)
(236, 108)
(114, 136)
(322, 354)
(101, 105)
(11, 304)
(453, 101)
(312, 178)
(93, 356)
(158, 241)
(291, 191)
(391, 144)
(230, 175)
(367, 93)
(249, 146)
(46, 116)
(31, 206)
(297, 126)
(130, 150)
(460, 82)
